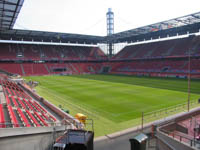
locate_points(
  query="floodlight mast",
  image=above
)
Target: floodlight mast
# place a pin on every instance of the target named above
(110, 30)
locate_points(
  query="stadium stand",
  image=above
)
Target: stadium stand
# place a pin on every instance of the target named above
(20, 108)
(162, 58)
(49, 52)
(23, 110)
(161, 49)
(26, 59)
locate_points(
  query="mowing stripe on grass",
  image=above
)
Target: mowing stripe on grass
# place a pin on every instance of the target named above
(116, 101)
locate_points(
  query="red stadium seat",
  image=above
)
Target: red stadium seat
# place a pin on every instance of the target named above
(33, 118)
(14, 101)
(8, 100)
(2, 118)
(24, 119)
(35, 106)
(13, 117)
(29, 105)
(41, 119)
(40, 106)
(53, 117)
(22, 104)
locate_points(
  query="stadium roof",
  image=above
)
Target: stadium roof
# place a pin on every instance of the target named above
(177, 23)
(9, 10)
(30, 35)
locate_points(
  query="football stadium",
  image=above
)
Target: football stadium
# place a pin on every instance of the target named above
(64, 91)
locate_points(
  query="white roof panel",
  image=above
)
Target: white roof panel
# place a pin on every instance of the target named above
(9, 10)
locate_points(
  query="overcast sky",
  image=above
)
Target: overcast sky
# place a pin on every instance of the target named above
(89, 16)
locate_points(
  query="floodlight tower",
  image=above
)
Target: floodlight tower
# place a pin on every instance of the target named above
(110, 30)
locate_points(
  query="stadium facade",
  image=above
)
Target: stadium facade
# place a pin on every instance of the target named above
(28, 53)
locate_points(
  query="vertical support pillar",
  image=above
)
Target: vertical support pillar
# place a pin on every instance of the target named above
(110, 49)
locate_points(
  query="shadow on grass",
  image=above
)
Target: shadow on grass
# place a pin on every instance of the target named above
(174, 84)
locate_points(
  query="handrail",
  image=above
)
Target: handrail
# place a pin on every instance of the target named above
(181, 138)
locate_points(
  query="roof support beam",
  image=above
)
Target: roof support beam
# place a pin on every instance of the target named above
(181, 21)
(8, 3)
(6, 16)
(18, 5)
(198, 17)
(4, 20)
(6, 10)
(2, 14)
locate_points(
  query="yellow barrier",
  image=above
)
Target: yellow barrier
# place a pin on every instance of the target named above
(81, 117)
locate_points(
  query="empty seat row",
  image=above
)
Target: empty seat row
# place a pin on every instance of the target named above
(2, 118)
(22, 108)
(13, 117)
(33, 118)
(10, 51)
(23, 118)
(161, 65)
(161, 49)
(41, 119)
(21, 103)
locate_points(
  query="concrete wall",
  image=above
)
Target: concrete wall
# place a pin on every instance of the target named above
(163, 145)
(40, 138)
(169, 127)
(181, 129)
(174, 126)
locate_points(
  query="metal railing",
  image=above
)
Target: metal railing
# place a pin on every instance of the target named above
(165, 112)
(190, 141)
(68, 123)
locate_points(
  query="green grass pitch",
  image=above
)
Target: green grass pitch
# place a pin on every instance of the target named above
(114, 102)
